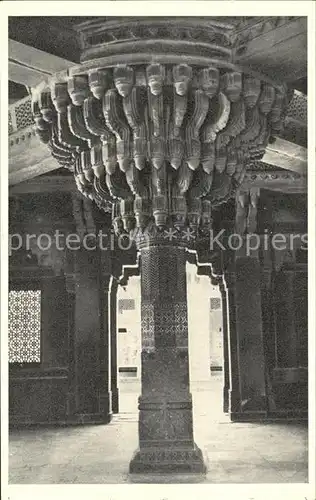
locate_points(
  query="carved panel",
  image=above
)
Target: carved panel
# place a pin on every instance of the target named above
(25, 326)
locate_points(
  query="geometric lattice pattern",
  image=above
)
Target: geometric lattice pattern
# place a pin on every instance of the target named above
(163, 321)
(181, 324)
(10, 126)
(147, 325)
(24, 115)
(126, 305)
(297, 107)
(163, 274)
(25, 326)
(215, 303)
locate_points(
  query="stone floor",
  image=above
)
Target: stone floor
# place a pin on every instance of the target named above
(234, 452)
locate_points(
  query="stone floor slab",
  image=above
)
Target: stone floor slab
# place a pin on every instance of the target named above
(100, 454)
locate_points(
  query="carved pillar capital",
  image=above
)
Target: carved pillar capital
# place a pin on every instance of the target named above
(160, 142)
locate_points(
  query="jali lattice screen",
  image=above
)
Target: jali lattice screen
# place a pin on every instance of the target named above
(25, 326)
(126, 305)
(215, 303)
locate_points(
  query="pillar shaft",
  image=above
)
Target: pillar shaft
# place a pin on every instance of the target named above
(165, 419)
(287, 338)
(250, 336)
(233, 391)
(91, 340)
(248, 397)
(113, 335)
(225, 348)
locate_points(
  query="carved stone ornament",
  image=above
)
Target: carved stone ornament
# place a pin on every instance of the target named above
(246, 210)
(157, 141)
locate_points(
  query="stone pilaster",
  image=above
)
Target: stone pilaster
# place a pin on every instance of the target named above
(287, 345)
(225, 347)
(91, 340)
(268, 320)
(249, 327)
(246, 314)
(113, 335)
(234, 390)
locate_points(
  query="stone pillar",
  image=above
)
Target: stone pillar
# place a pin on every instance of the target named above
(163, 159)
(249, 401)
(165, 419)
(249, 328)
(225, 347)
(287, 345)
(233, 391)
(113, 335)
(91, 340)
(71, 301)
(268, 324)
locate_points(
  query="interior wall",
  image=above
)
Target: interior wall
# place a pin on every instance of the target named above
(38, 392)
(285, 303)
(70, 382)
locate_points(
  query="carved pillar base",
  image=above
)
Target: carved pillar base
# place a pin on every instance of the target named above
(165, 406)
(168, 460)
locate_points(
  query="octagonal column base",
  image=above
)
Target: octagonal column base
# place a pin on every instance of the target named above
(160, 459)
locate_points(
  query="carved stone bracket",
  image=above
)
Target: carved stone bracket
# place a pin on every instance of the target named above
(159, 143)
(246, 210)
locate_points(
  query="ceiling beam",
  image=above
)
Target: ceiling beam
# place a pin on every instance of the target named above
(280, 50)
(29, 66)
(29, 157)
(32, 171)
(24, 75)
(48, 183)
(287, 155)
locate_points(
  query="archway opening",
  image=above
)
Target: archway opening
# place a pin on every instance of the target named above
(205, 351)
(129, 345)
(205, 347)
